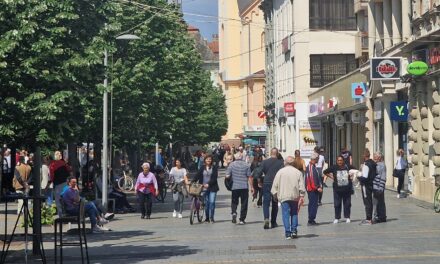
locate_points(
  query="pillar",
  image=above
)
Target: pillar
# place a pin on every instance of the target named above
(371, 28)
(406, 22)
(387, 28)
(379, 22)
(396, 7)
(389, 147)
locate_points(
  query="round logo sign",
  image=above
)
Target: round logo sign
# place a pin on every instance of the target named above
(417, 68)
(386, 68)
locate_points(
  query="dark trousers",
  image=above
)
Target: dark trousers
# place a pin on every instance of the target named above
(7, 182)
(243, 195)
(367, 195)
(145, 203)
(342, 199)
(322, 180)
(258, 193)
(380, 211)
(120, 199)
(313, 205)
(401, 179)
(267, 201)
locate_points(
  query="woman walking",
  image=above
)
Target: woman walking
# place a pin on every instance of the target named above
(178, 175)
(257, 173)
(207, 175)
(399, 171)
(298, 162)
(228, 158)
(342, 188)
(146, 187)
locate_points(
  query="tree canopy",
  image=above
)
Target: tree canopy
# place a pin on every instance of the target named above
(51, 74)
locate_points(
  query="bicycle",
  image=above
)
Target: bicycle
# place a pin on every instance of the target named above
(126, 182)
(437, 194)
(164, 182)
(197, 209)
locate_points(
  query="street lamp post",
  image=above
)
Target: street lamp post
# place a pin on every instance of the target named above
(105, 155)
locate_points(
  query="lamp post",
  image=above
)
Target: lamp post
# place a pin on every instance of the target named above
(105, 125)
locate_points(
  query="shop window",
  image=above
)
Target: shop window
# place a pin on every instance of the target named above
(332, 15)
(327, 68)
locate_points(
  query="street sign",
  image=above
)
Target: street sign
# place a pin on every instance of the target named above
(289, 107)
(261, 114)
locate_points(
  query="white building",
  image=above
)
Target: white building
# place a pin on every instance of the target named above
(313, 44)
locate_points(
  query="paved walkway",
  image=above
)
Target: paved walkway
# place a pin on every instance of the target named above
(412, 235)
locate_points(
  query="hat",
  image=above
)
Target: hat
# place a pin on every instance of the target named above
(146, 164)
(314, 156)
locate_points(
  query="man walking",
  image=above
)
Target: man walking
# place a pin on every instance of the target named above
(270, 167)
(313, 188)
(288, 188)
(366, 180)
(241, 175)
(319, 167)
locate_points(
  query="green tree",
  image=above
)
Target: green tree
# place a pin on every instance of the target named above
(50, 64)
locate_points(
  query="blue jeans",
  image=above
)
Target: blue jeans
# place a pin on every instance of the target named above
(91, 211)
(290, 216)
(313, 205)
(267, 200)
(209, 198)
(49, 196)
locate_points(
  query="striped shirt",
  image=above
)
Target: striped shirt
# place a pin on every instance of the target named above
(239, 171)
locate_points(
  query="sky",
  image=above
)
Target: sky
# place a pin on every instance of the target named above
(207, 25)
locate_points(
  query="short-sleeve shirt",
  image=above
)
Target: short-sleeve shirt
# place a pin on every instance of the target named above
(178, 174)
(240, 172)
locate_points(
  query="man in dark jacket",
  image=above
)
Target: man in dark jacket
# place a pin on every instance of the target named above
(270, 167)
(313, 187)
(366, 180)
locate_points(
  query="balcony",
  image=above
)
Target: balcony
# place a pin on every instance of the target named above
(360, 5)
(361, 43)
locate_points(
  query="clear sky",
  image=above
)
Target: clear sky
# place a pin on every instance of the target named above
(204, 8)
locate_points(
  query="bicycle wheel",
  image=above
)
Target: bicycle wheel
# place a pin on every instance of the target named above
(200, 210)
(193, 212)
(437, 200)
(126, 183)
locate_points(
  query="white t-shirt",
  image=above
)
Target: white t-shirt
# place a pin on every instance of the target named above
(320, 162)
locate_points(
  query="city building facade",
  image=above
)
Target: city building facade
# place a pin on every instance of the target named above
(242, 76)
(310, 44)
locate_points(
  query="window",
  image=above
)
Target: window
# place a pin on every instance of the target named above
(332, 15)
(327, 68)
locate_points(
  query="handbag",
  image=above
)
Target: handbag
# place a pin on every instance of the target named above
(396, 173)
(228, 183)
(195, 189)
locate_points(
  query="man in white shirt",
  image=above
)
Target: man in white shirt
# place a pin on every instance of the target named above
(319, 166)
(7, 171)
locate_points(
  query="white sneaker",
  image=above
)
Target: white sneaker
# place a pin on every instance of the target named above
(348, 221)
(398, 196)
(97, 229)
(180, 216)
(174, 214)
(336, 221)
(102, 221)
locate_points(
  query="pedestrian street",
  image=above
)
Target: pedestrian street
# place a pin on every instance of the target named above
(411, 235)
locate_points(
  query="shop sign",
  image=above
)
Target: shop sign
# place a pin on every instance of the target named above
(399, 111)
(434, 56)
(290, 121)
(313, 109)
(261, 114)
(310, 135)
(356, 117)
(339, 120)
(385, 68)
(332, 102)
(358, 90)
(417, 68)
(289, 107)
